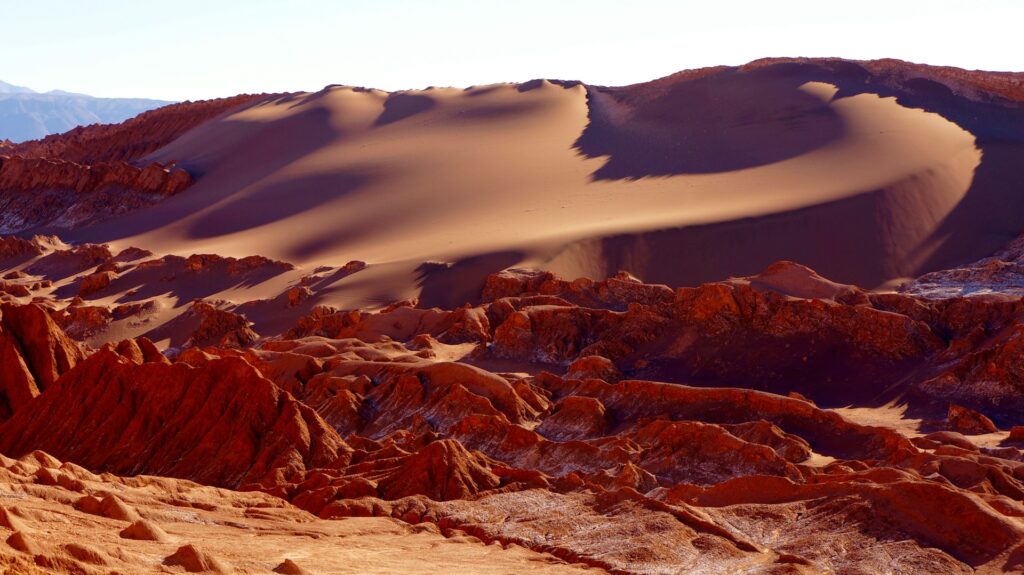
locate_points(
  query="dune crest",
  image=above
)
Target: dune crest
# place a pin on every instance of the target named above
(856, 169)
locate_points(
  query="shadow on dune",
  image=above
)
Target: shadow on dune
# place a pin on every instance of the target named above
(830, 238)
(992, 212)
(401, 106)
(274, 202)
(731, 119)
(451, 286)
(723, 122)
(175, 280)
(243, 156)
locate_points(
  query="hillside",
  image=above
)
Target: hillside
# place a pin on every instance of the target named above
(29, 115)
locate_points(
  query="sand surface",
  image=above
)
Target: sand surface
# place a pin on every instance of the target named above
(491, 177)
(241, 532)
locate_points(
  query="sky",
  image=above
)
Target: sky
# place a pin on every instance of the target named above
(196, 49)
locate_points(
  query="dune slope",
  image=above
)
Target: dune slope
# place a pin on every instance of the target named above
(865, 171)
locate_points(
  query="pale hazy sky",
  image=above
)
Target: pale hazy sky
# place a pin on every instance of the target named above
(191, 49)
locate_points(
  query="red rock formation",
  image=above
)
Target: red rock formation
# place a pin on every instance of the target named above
(174, 420)
(199, 263)
(593, 367)
(575, 417)
(82, 321)
(96, 282)
(34, 352)
(93, 172)
(13, 248)
(973, 84)
(602, 465)
(18, 174)
(442, 470)
(219, 327)
(969, 421)
(133, 138)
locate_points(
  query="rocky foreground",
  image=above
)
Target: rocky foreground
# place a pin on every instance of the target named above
(738, 426)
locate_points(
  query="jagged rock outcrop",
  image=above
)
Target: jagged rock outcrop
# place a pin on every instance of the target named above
(977, 85)
(14, 248)
(18, 174)
(359, 413)
(34, 352)
(218, 327)
(131, 139)
(442, 470)
(174, 420)
(969, 421)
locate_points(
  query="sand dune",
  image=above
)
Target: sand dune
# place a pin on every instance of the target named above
(680, 181)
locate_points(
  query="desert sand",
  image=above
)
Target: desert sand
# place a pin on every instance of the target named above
(494, 176)
(86, 523)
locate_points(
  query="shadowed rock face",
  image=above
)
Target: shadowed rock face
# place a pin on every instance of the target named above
(34, 352)
(175, 420)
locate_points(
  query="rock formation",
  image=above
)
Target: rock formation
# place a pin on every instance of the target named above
(93, 172)
(34, 353)
(131, 139)
(117, 402)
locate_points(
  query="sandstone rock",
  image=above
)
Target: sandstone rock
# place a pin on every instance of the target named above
(195, 560)
(575, 417)
(219, 327)
(33, 353)
(969, 421)
(87, 554)
(48, 352)
(289, 567)
(132, 139)
(144, 530)
(203, 263)
(111, 506)
(13, 249)
(23, 542)
(513, 282)
(82, 321)
(95, 283)
(593, 367)
(10, 520)
(297, 295)
(442, 470)
(16, 290)
(199, 409)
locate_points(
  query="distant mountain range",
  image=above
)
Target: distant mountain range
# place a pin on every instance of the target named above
(27, 115)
